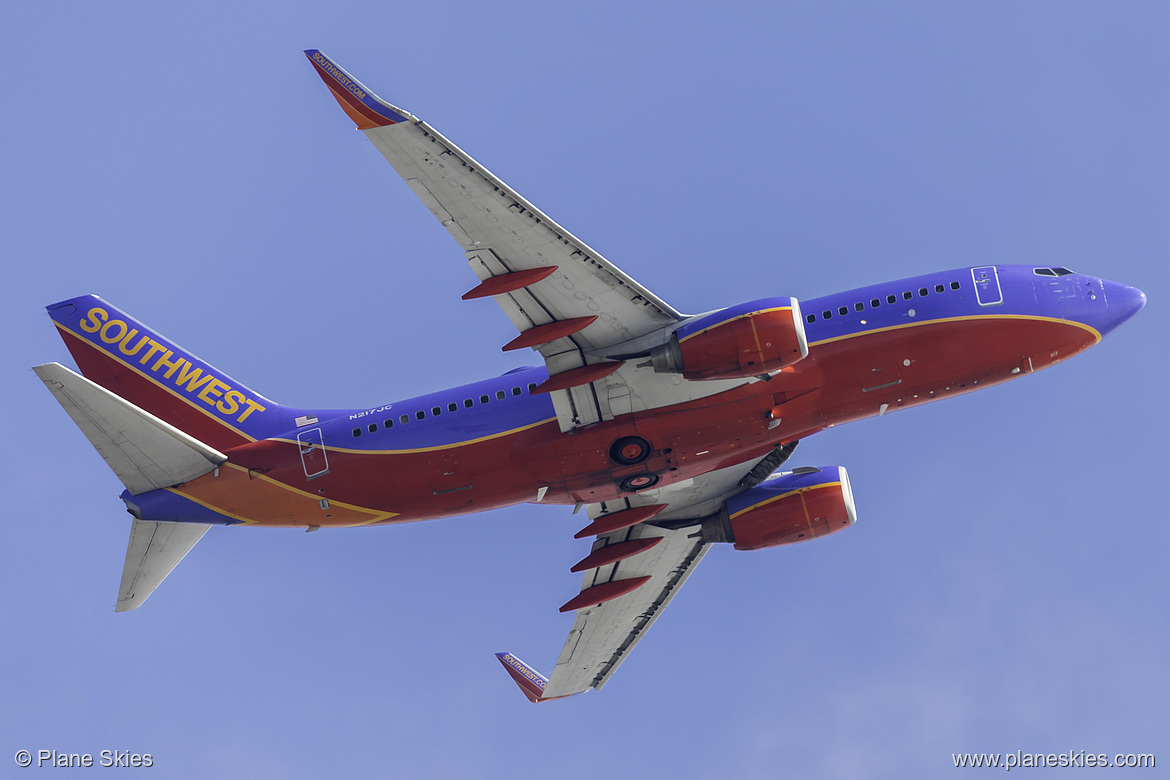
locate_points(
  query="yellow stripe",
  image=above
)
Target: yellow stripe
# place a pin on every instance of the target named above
(807, 519)
(733, 319)
(216, 509)
(759, 349)
(148, 377)
(298, 491)
(430, 449)
(248, 521)
(1082, 326)
(797, 492)
(284, 486)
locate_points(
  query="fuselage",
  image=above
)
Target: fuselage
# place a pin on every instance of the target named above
(494, 443)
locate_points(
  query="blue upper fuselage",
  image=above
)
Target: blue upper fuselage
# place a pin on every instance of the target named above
(505, 403)
(1019, 290)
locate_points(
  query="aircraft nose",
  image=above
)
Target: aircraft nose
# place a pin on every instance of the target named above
(1124, 301)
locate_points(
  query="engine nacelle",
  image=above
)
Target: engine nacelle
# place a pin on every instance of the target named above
(741, 341)
(795, 507)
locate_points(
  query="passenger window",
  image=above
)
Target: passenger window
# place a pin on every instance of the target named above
(891, 299)
(388, 423)
(483, 399)
(468, 403)
(420, 415)
(859, 306)
(373, 427)
(404, 419)
(452, 407)
(810, 318)
(500, 395)
(515, 391)
(357, 432)
(436, 411)
(876, 302)
(843, 310)
(939, 288)
(531, 386)
(908, 296)
(826, 315)
(954, 285)
(922, 292)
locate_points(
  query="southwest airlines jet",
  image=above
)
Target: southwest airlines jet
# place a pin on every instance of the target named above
(669, 430)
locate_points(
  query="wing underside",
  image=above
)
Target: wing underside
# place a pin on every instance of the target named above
(568, 302)
(146, 454)
(153, 551)
(603, 635)
(595, 326)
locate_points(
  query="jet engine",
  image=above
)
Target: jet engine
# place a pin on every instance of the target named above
(741, 341)
(804, 504)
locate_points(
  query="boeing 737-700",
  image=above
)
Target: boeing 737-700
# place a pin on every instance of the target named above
(670, 430)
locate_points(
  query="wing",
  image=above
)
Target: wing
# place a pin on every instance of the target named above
(567, 301)
(153, 551)
(631, 574)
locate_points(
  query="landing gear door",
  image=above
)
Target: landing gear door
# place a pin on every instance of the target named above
(313, 458)
(987, 288)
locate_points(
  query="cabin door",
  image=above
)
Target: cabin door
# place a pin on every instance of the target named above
(312, 446)
(987, 285)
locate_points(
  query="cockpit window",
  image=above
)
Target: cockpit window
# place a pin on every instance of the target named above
(1058, 271)
(1061, 271)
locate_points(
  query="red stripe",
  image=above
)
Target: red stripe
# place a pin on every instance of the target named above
(97, 366)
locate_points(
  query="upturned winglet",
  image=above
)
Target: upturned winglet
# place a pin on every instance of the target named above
(531, 682)
(365, 108)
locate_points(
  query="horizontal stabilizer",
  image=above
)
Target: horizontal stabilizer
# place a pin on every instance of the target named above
(154, 550)
(145, 452)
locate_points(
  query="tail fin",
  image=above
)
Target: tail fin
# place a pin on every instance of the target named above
(134, 362)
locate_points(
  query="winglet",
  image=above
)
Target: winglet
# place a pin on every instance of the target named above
(531, 682)
(365, 108)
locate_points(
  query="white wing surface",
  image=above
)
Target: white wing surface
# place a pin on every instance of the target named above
(145, 452)
(153, 551)
(567, 301)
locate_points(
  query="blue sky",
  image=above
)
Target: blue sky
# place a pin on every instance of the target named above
(1005, 588)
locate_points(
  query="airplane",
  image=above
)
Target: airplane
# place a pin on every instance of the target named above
(669, 430)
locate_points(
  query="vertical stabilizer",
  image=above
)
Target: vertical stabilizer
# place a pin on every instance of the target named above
(154, 373)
